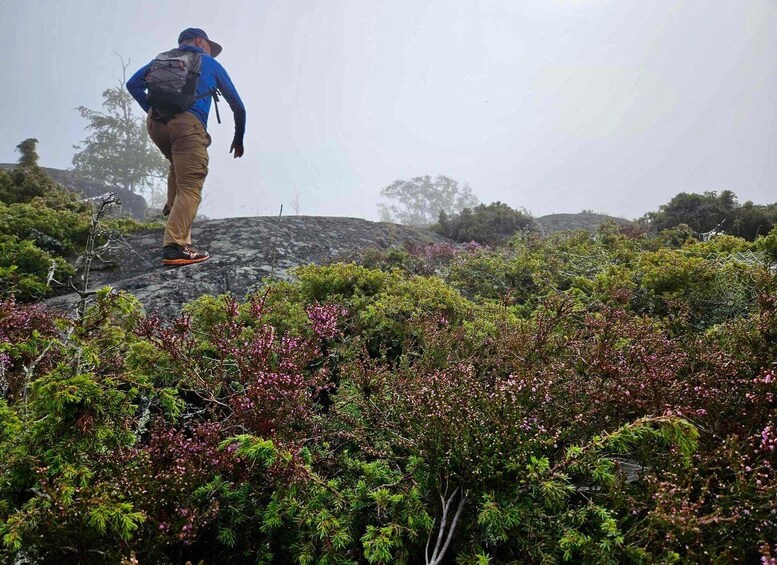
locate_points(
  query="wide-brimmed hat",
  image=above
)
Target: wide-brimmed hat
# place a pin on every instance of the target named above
(194, 32)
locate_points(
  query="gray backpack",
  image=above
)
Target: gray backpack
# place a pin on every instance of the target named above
(172, 83)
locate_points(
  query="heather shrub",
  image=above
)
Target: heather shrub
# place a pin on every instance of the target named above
(74, 410)
(586, 398)
(25, 332)
(483, 429)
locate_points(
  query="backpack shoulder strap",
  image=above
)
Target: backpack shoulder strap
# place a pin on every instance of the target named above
(215, 93)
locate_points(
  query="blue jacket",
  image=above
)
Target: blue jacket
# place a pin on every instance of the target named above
(212, 76)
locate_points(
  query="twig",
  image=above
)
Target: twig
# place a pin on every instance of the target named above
(107, 200)
(439, 550)
(125, 242)
(28, 373)
(295, 205)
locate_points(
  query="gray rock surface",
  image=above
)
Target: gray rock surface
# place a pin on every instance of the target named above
(241, 256)
(581, 221)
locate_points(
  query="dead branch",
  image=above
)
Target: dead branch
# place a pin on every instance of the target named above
(441, 547)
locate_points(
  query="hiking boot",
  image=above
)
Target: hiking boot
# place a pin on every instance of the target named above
(176, 255)
(166, 210)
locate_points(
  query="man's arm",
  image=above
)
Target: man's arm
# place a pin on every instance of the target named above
(224, 84)
(137, 87)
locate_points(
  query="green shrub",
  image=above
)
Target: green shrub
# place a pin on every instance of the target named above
(588, 398)
(341, 281)
(25, 268)
(386, 321)
(713, 211)
(57, 231)
(42, 225)
(23, 184)
(492, 224)
(492, 275)
(768, 244)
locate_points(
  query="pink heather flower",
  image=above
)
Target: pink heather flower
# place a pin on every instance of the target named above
(324, 318)
(768, 438)
(439, 251)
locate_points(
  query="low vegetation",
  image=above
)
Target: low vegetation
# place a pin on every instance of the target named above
(713, 212)
(43, 228)
(492, 224)
(584, 398)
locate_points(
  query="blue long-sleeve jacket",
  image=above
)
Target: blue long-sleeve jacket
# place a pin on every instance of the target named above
(212, 75)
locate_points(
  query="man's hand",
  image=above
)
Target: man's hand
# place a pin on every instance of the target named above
(237, 148)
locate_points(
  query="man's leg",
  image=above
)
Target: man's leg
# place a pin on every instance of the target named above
(190, 162)
(160, 135)
(171, 188)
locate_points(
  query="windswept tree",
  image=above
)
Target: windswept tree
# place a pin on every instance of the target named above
(420, 200)
(29, 153)
(118, 150)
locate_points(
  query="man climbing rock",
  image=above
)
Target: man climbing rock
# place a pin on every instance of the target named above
(176, 89)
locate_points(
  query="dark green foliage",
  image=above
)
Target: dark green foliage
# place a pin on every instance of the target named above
(22, 184)
(768, 244)
(753, 220)
(491, 224)
(585, 398)
(42, 225)
(492, 275)
(708, 211)
(702, 212)
(25, 267)
(57, 230)
(29, 154)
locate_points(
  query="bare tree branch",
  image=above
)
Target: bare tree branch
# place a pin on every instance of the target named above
(441, 547)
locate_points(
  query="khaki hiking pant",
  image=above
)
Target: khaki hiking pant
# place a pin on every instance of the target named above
(184, 141)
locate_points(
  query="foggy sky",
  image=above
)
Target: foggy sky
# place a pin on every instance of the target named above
(551, 105)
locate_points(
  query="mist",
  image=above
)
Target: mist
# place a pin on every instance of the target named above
(549, 105)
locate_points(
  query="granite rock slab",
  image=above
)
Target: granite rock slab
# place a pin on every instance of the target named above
(245, 253)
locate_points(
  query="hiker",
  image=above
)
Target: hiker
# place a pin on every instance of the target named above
(175, 89)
